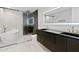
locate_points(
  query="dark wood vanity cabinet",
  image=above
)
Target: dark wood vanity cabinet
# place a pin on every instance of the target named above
(57, 42)
(52, 41)
(47, 39)
(66, 44)
(61, 43)
(40, 36)
(73, 45)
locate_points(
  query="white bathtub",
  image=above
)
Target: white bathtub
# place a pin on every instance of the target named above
(10, 36)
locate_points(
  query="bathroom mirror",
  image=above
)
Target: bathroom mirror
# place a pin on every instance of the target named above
(30, 21)
(62, 15)
(59, 15)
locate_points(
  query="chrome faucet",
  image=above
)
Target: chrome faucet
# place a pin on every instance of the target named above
(73, 29)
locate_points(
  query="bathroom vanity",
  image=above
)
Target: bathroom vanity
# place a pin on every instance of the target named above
(47, 39)
(58, 41)
(66, 40)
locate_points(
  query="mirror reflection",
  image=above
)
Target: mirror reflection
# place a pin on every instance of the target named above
(62, 15)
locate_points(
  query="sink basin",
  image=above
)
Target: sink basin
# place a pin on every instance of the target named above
(71, 34)
(43, 29)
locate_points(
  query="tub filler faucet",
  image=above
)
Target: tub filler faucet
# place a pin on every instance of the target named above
(4, 28)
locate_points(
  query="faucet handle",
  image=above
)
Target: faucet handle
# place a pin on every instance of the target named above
(72, 29)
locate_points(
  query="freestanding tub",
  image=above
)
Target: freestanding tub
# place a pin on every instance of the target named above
(10, 36)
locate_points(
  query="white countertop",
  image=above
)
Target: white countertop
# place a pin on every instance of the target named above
(53, 31)
(59, 32)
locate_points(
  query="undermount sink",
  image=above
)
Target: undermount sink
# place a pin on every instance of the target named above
(43, 29)
(71, 34)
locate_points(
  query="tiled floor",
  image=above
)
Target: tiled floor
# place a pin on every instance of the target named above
(29, 44)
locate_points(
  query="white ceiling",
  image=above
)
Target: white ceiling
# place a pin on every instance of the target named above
(31, 9)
